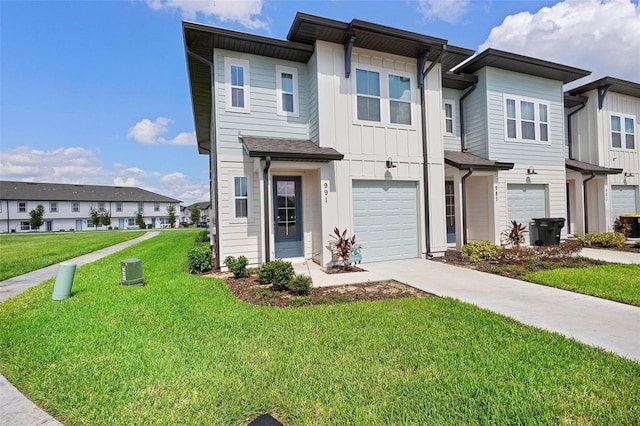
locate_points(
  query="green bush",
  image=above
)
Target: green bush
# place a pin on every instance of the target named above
(300, 284)
(200, 259)
(605, 239)
(481, 250)
(202, 237)
(277, 272)
(237, 266)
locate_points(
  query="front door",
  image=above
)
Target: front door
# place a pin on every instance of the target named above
(287, 216)
(78, 224)
(49, 224)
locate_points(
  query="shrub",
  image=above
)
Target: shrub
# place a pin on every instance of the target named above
(202, 237)
(277, 272)
(300, 284)
(481, 250)
(237, 266)
(621, 226)
(200, 259)
(605, 239)
(514, 236)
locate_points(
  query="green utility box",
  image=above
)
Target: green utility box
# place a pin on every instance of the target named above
(131, 272)
(64, 281)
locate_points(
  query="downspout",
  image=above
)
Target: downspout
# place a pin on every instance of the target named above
(213, 155)
(586, 210)
(569, 129)
(463, 144)
(265, 178)
(425, 142)
(464, 206)
(8, 219)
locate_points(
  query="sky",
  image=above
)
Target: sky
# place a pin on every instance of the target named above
(97, 92)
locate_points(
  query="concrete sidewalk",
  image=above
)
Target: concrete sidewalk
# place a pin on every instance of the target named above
(612, 256)
(15, 408)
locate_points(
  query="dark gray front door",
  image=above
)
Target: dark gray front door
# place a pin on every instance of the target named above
(287, 216)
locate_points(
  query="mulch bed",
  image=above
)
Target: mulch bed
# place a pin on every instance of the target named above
(250, 290)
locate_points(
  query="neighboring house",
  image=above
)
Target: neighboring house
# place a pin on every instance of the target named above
(66, 206)
(603, 133)
(505, 147)
(205, 212)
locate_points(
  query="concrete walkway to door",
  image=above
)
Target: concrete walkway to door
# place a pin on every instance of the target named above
(596, 322)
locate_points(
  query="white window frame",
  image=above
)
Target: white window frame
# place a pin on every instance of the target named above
(446, 102)
(388, 74)
(381, 75)
(101, 207)
(53, 207)
(118, 207)
(140, 208)
(623, 132)
(75, 207)
(519, 120)
(156, 207)
(235, 198)
(228, 63)
(279, 91)
(26, 207)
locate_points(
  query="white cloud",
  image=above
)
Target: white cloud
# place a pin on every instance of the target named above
(244, 12)
(57, 165)
(446, 10)
(150, 132)
(600, 36)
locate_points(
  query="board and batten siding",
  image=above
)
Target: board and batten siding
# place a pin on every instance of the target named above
(475, 118)
(452, 141)
(312, 98)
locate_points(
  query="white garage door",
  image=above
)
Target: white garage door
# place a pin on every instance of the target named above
(623, 200)
(526, 202)
(385, 219)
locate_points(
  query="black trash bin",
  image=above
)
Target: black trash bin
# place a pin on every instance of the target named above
(633, 220)
(548, 230)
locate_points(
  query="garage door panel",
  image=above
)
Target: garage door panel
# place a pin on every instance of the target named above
(623, 200)
(385, 219)
(525, 202)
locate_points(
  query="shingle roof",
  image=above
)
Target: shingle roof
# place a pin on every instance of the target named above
(466, 161)
(582, 167)
(38, 191)
(288, 149)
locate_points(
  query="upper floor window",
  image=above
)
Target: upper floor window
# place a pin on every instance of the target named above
(118, 207)
(75, 207)
(53, 206)
(623, 132)
(156, 207)
(449, 124)
(237, 84)
(241, 196)
(100, 207)
(526, 119)
(141, 207)
(368, 95)
(399, 99)
(22, 207)
(287, 91)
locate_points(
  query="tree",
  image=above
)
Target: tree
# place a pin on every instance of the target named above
(140, 220)
(94, 214)
(171, 211)
(105, 218)
(195, 214)
(36, 214)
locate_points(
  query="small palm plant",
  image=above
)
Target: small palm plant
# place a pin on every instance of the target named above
(514, 236)
(341, 246)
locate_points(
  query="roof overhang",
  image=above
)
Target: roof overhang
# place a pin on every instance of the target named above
(288, 149)
(467, 161)
(521, 64)
(458, 81)
(617, 85)
(571, 101)
(588, 168)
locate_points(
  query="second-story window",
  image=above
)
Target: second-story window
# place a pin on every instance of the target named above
(22, 207)
(100, 207)
(141, 207)
(75, 207)
(287, 91)
(399, 99)
(623, 134)
(449, 126)
(237, 84)
(118, 207)
(53, 206)
(526, 120)
(368, 95)
(156, 207)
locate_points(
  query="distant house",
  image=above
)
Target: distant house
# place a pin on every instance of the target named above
(66, 206)
(205, 212)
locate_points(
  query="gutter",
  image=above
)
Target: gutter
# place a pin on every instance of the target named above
(583, 104)
(425, 141)
(586, 210)
(464, 206)
(265, 174)
(463, 144)
(213, 162)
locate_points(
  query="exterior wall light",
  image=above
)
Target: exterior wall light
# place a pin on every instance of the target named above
(628, 174)
(390, 164)
(531, 171)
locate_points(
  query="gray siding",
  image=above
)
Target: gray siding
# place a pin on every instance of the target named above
(452, 142)
(475, 118)
(312, 99)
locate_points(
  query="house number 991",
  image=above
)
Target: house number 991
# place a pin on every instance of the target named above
(326, 192)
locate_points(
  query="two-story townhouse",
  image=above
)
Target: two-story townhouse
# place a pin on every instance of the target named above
(205, 212)
(338, 126)
(67, 206)
(504, 144)
(603, 163)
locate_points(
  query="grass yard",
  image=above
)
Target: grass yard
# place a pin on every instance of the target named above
(620, 283)
(183, 350)
(20, 254)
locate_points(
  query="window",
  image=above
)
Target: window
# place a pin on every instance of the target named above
(156, 207)
(449, 125)
(118, 207)
(141, 207)
(241, 196)
(22, 207)
(53, 206)
(100, 207)
(131, 222)
(368, 95)
(623, 132)
(75, 207)
(526, 120)
(399, 99)
(287, 91)
(237, 84)
(25, 226)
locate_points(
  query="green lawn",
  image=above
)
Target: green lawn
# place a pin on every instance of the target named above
(183, 350)
(23, 253)
(614, 282)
